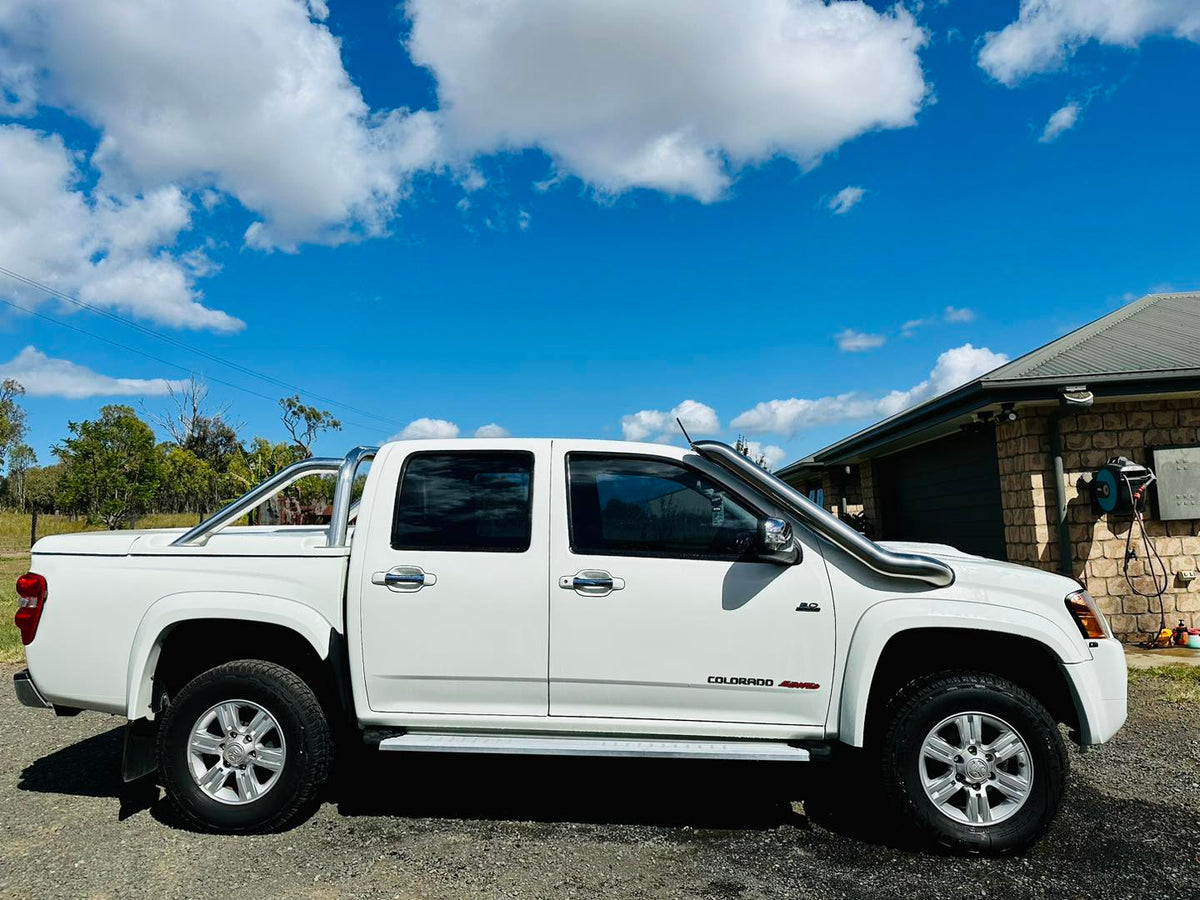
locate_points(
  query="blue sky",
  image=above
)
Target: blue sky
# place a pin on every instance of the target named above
(547, 227)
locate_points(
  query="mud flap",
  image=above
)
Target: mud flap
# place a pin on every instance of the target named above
(140, 760)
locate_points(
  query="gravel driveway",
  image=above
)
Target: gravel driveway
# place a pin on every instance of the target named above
(427, 826)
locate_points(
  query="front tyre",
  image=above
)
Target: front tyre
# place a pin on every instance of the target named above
(974, 761)
(244, 747)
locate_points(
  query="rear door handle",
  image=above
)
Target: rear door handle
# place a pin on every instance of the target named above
(592, 583)
(404, 579)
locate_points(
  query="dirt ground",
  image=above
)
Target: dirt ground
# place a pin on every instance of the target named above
(440, 827)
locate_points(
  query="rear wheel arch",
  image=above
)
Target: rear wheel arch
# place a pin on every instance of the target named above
(193, 646)
(181, 633)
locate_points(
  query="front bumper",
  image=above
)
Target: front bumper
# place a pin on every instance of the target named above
(1100, 688)
(27, 691)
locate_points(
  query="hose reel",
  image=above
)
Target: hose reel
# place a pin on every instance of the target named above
(1120, 486)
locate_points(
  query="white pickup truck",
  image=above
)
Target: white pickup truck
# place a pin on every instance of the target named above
(571, 597)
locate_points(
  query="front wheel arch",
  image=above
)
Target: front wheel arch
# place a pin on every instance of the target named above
(919, 652)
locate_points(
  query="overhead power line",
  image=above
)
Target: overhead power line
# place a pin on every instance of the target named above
(183, 345)
(157, 359)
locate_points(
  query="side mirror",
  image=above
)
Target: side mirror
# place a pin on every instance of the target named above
(776, 543)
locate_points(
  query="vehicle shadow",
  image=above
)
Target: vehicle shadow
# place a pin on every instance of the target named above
(704, 796)
(547, 789)
(91, 768)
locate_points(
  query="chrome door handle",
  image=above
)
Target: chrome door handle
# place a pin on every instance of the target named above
(404, 578)
(578, 582)
(592, 583)
(390, 578)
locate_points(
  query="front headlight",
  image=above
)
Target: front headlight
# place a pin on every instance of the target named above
(1087, 616)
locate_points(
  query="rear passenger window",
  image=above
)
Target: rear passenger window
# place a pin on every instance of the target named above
(465, 501)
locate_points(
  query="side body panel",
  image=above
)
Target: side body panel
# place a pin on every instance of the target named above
(474, 641)
(105, 615)
(687, 639)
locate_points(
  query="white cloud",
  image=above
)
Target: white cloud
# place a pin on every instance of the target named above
(771, 455)
(491, 431)
(1047, 32)
(18, 87)
(106, 249)
(426, 429)
(675, 95)
(909, 328)
(654, 424)
(42, 376)
(953, 368)
(851, 341)
(249, 98)
(1061, 120)
(845, 200)
(958, 314)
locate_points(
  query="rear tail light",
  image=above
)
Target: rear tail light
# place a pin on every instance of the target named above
(31, 600)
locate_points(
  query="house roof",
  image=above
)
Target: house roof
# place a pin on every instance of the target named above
(1151, 346)
(1158, 334)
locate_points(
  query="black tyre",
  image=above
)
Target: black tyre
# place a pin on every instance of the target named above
(974, 761)
(244, 747)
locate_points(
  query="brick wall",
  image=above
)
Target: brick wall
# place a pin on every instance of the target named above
(859, 490)
(1089, 439)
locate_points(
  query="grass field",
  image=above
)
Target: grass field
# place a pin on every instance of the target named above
(1179, 684)
(14, 560)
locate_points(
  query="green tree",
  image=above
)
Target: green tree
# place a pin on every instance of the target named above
(12, 417)
(42, 487)
(306, 423)
(194, 426)
(261, 459)
(188, 484)
(111, 467)
(255, 464)
(20, 460)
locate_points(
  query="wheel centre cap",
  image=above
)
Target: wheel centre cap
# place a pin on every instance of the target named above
(977, 769)
(235, 753)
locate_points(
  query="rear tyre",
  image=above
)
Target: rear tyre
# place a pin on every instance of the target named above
(245, 747)
(974, 762)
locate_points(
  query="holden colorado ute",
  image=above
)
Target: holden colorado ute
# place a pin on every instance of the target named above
(570, 597)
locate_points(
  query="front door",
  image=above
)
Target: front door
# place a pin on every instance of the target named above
(453, 582)
(657, 612)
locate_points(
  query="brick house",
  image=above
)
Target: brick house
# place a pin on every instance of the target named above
(1001, 466)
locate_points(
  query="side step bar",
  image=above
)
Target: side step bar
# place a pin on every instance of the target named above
(569, 745)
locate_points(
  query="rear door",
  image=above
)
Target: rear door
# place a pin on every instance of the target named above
(657, 612)
(453, 580)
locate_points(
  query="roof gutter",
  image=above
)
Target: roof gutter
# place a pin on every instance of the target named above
(908, 566)
(880, 438)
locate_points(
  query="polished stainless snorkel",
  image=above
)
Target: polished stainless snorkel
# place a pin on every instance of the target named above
(894, 565)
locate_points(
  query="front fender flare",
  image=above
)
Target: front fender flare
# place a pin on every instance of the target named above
(191, 605)
(883, 621)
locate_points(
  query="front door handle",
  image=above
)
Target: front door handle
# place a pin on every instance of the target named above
(404, 578)
(592, 583)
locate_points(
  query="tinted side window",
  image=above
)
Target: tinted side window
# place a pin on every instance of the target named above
(466, 501)
(626, 506)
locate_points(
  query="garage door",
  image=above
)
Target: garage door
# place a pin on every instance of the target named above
(945, 492)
